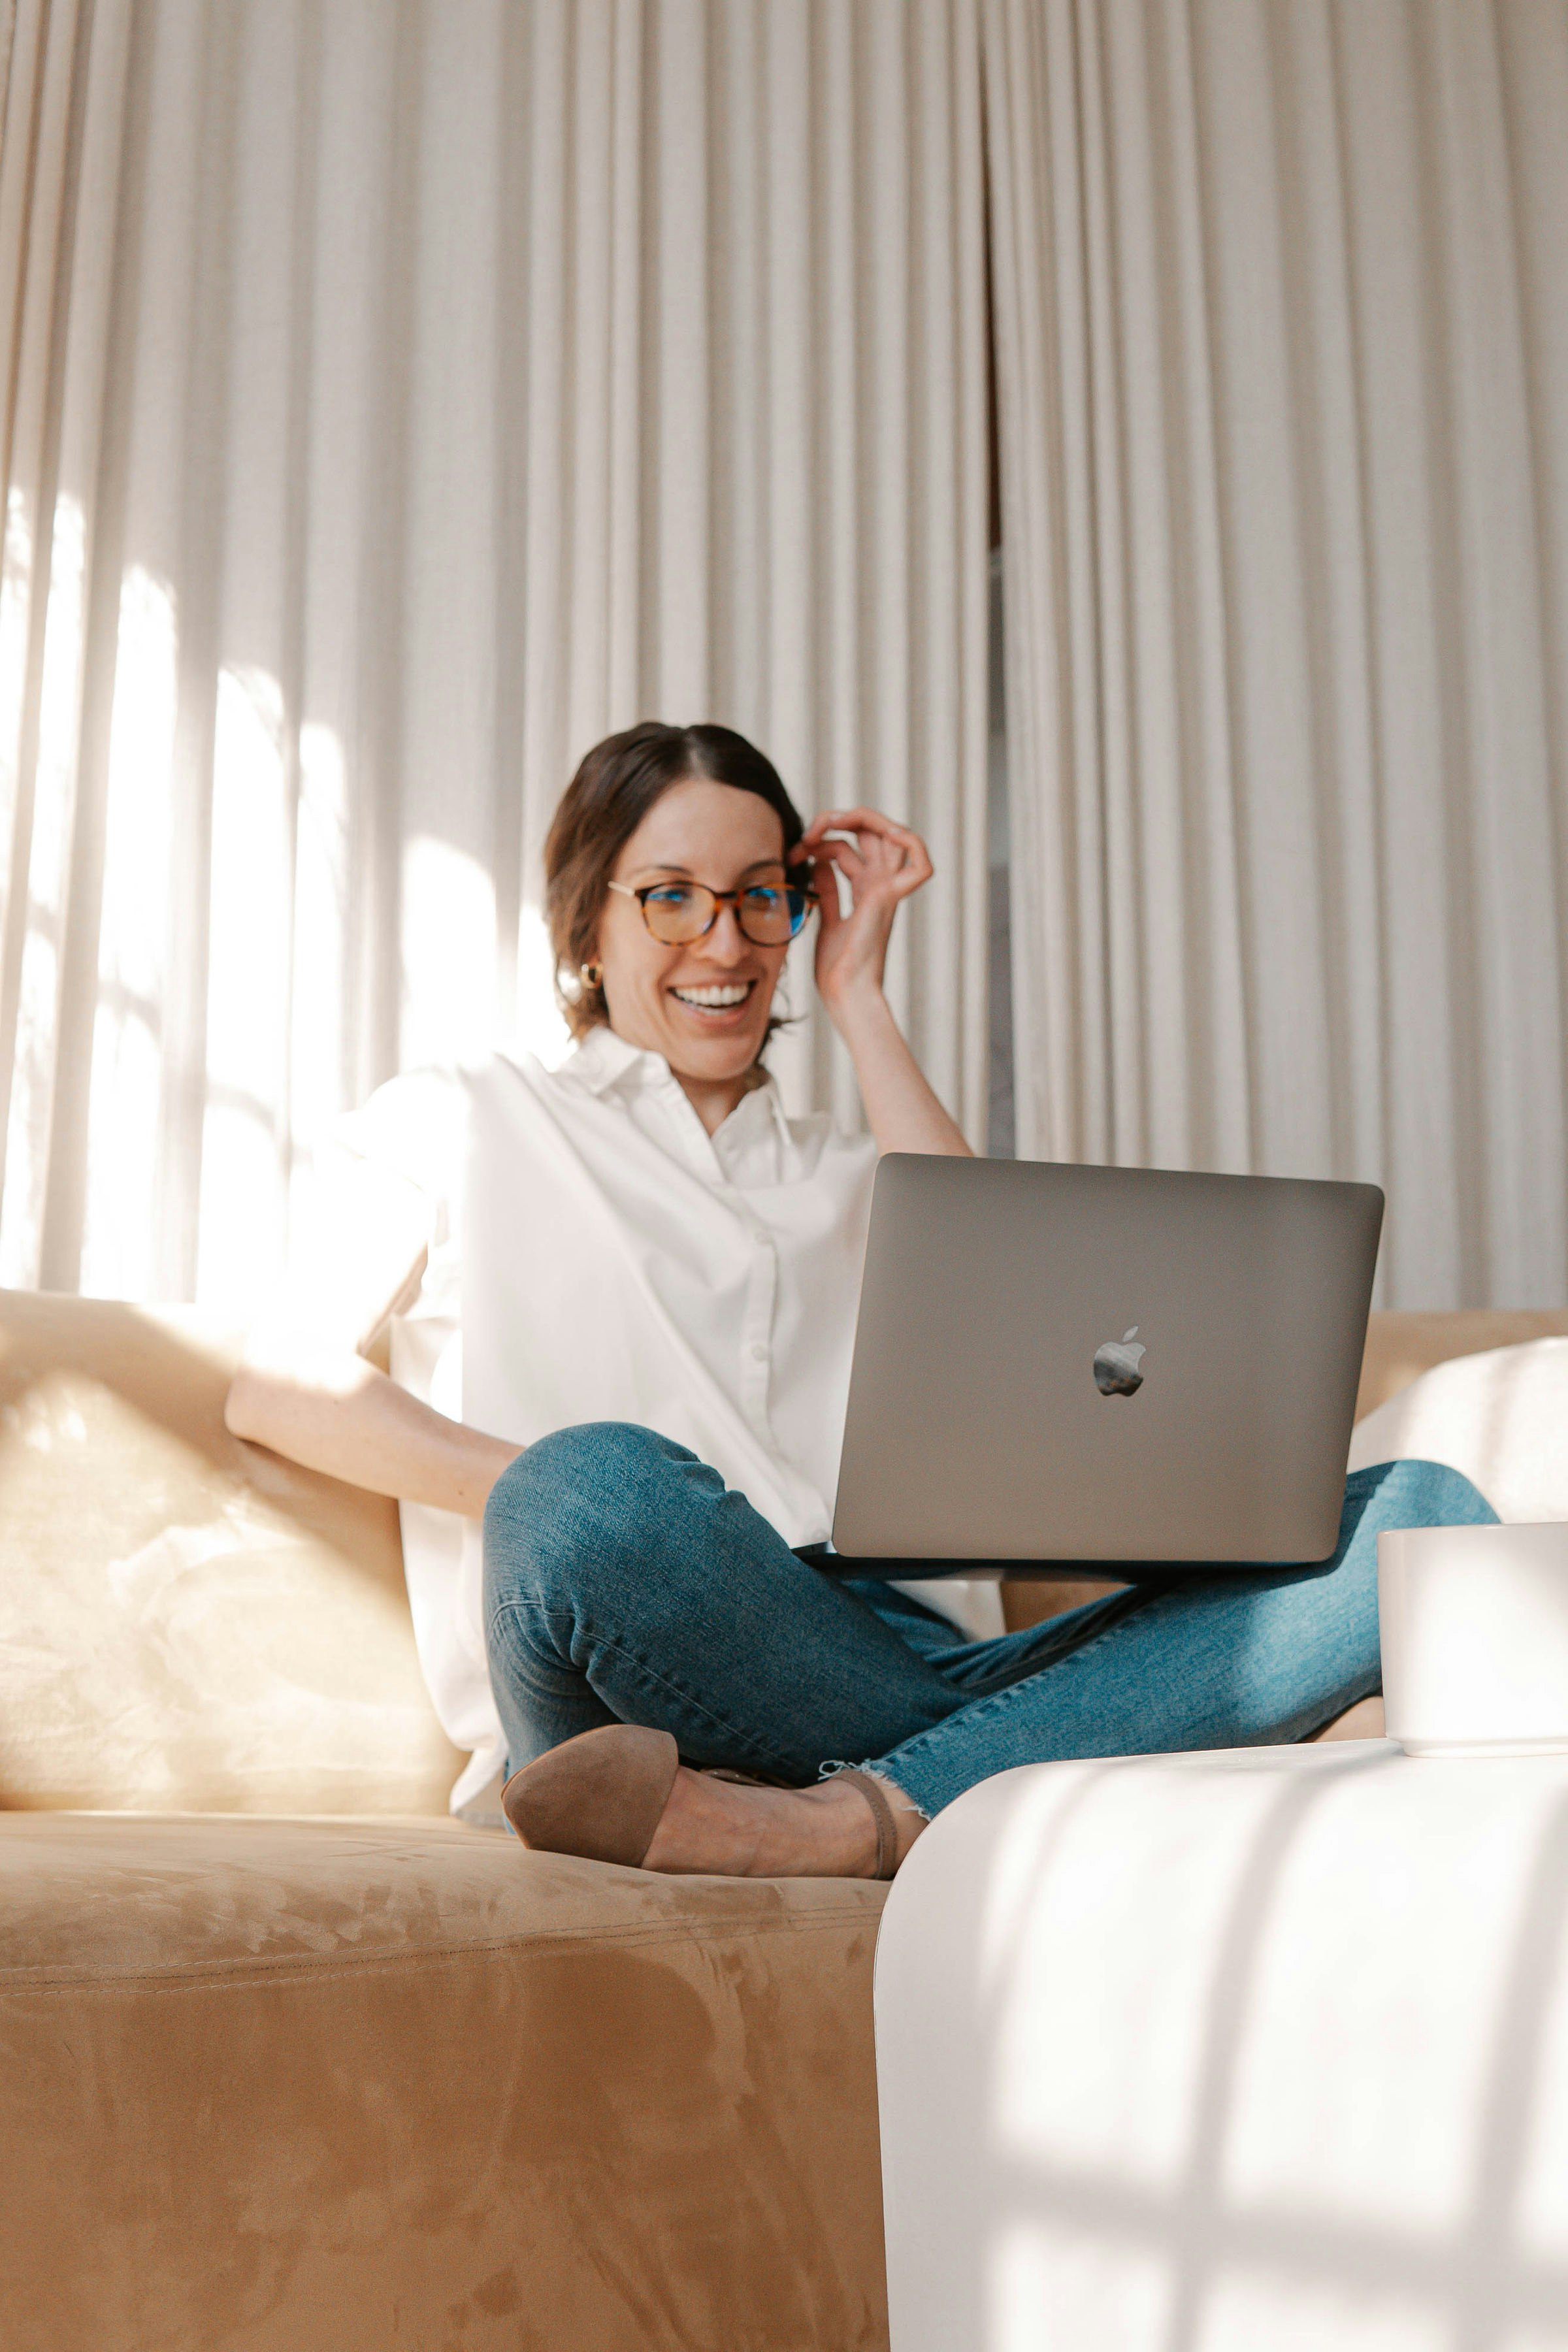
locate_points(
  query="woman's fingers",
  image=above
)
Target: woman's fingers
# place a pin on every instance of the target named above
(883, 850)
(844, 856)
(856, 820)
(827, 913)
(880, 876)
(892, 865)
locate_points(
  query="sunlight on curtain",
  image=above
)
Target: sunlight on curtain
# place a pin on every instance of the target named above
(243, 1224)
(449, 954)
(317, 1077)
(54, 794)
(320, 918)
(127, 1070)
(16, 597)
(541, 1027)
(395, 402)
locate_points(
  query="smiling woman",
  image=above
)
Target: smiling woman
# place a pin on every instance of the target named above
(678, 871)
(639, 1236)
(622, 1309)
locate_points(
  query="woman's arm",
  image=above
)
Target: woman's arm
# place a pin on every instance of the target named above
(884, 864)
(305, 1390)
(327, 1408)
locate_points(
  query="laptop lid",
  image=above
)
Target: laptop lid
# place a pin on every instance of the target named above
(1062, 1364)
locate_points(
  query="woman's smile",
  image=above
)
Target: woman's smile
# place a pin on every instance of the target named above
(717, 1003)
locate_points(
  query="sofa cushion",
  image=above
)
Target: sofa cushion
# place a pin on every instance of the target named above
(1501, 1418)
(1401, 1346)
(321, 2086)
(187, 1622)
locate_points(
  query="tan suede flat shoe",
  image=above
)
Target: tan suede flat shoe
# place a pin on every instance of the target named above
(599, 1795)
(888, 1854)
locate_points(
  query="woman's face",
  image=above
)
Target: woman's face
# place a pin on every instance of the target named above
(704, 1007)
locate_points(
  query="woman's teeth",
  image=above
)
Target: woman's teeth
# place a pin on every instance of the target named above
(714, 999)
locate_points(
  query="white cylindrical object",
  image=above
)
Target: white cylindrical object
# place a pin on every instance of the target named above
(1474, 1625)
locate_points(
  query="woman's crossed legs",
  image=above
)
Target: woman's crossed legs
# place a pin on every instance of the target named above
(624, 1583)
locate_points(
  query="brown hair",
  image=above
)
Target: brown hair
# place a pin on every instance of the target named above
(606, 800)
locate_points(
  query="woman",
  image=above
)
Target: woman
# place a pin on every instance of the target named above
(655, 1274)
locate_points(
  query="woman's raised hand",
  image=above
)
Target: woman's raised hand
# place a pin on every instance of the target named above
(883, 864)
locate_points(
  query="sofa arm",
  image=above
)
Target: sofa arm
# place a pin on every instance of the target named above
(1260, 2049)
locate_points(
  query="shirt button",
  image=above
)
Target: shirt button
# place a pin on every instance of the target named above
(759, 1351)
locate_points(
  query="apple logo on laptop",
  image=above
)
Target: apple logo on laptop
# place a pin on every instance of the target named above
(1116, 1372)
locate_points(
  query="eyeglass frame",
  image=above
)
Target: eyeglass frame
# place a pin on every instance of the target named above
(643, 892)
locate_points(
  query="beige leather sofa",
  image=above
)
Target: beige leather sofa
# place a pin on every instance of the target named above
(290, 2061)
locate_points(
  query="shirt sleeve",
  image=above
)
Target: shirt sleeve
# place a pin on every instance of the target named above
(414, 1128)
(376, 1228)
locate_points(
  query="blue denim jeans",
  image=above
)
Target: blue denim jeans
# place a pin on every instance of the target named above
(624, 1583)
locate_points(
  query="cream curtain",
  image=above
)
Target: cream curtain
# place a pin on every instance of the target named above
(398, 397)
(1281, 319)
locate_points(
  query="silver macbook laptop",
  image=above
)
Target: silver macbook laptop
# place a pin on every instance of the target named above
(1061, 1366)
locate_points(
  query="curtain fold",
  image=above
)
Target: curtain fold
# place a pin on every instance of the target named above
(1281, 321)
(397, 397)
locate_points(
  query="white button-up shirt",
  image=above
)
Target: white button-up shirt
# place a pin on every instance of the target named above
(595, 1254)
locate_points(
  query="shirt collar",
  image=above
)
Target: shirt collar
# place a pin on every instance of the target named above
(603, 1060)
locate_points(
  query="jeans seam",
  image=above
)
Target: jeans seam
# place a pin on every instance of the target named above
(1118, 1608)
(982, 1708)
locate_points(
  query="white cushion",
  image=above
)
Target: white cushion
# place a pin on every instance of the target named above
(1501, 1418)
(1259, 2052)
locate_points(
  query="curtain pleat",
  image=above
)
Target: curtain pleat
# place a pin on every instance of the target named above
(398, 397)
(1281, 304)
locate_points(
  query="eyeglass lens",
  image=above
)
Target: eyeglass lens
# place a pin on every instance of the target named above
(678, 912)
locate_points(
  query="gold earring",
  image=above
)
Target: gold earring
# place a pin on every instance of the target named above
(592, 973)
